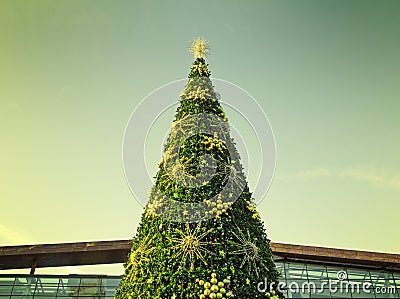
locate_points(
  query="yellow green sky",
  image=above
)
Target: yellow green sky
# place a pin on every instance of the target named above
(325, 72)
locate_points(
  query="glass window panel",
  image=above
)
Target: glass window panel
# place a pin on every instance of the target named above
(68, 292)
(73, 281)
(110, 286)
(397, 279)
(317, 275)
(109, 292)
(297, 281)
(49, 280)
(316, 269)
(281, 268)
(5, 290)
(298, 271)
(46, 286)
(45, 289)
(6, 286)
(90, 286)
(111, 281)
(383, 276)
(325, 294)
(297, 295)
(295, 266)
(358, 275)
(332, 272)
(24, 286)
(362, 294)
(6, 281)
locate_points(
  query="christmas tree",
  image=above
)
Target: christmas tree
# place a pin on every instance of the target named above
(200, 235)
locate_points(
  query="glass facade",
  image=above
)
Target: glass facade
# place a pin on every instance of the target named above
(302, 280)
(299, 280)
(54, 286)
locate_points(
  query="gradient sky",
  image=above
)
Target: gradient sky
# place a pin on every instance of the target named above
(325, 72)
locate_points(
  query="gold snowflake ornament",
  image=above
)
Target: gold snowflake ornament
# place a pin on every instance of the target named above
(200, 48)
(189, 244)
(249, 251)
(140, 255)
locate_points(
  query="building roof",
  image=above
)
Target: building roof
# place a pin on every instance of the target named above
(109, 252)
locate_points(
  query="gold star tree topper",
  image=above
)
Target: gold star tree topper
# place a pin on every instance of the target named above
(199, 48)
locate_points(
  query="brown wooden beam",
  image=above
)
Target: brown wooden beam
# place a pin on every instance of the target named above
(109, 252)
(64, 254)
(336, 256)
